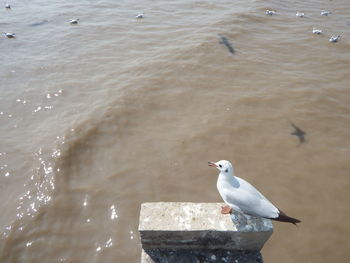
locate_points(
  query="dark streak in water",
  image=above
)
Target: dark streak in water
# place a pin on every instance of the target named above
(298, 132)
(227, 43)
(39, 23)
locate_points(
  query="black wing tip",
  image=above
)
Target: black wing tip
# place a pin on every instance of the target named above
(287, 219)
(282, 217)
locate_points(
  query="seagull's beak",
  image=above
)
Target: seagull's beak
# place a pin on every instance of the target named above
(212, 164)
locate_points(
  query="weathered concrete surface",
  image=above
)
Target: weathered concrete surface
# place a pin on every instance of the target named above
(200, 226)
(157, 255)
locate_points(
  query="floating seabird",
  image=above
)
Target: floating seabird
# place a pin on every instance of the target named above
(9, 35)
(298, 132)
(270, 12)
(241, 196)
(325, 13)
(139, 16)
(7, 6)
(316, 31)
(298, 14)
(334, 39)
(74, 21)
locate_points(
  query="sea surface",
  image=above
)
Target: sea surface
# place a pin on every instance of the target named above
(98, 117)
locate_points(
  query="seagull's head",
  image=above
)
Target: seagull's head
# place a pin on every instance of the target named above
(223, 166)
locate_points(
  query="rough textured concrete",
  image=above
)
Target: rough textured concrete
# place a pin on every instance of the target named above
(200, 226)
(157, 255)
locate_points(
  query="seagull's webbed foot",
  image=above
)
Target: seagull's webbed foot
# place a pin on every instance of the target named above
(226, 210)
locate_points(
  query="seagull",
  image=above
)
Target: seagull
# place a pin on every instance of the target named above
(241, 196)
(316, 31)
(325, 13)
(298, 132)
(139, 16)
(9, 35)
(334, 39)
(74, 21)
(300, 14)
(7, 6)
(270, 12)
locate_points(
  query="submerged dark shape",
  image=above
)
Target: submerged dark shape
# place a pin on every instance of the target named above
(298, 132)
(227, 43)
(42, 22)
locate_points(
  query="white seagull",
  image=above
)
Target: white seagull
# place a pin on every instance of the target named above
(241, 196)
(300, 14)
(316, 31)
(74, 21)
(325, 13)
(139, 16)
(270, 12)
(7, 6)
(9, 35)
(334, 39)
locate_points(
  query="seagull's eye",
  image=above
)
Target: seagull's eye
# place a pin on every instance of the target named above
(220, 165)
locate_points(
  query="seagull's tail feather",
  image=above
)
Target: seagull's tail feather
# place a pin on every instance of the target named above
(282, 217)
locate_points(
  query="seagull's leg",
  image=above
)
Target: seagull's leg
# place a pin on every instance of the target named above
(226, 210)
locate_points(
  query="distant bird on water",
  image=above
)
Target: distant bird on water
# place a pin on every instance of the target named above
(9, 35)
(270, 12)
(299, 14)
(334, 39)
(325, 13)
(241, 196)
(140, 16)
(316, 31)
(298, 132)
(7, 6)
(74, 21)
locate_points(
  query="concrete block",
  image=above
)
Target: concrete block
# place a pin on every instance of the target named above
(200, 226)
(157, 255)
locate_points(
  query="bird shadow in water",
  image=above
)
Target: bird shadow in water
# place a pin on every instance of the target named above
(298, 132)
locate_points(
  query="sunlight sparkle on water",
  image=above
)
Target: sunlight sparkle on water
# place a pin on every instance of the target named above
(85, 200)
(6, 233)
(113, 213)
(37, 109)
(56, 153)
(47, 169)
(22, 101)
(109, 243)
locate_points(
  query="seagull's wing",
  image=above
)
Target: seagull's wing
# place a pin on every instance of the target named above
(250, 201)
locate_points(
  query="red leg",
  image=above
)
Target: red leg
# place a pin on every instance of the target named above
(226, 210)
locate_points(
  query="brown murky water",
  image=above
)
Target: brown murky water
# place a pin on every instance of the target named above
(102, 116)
